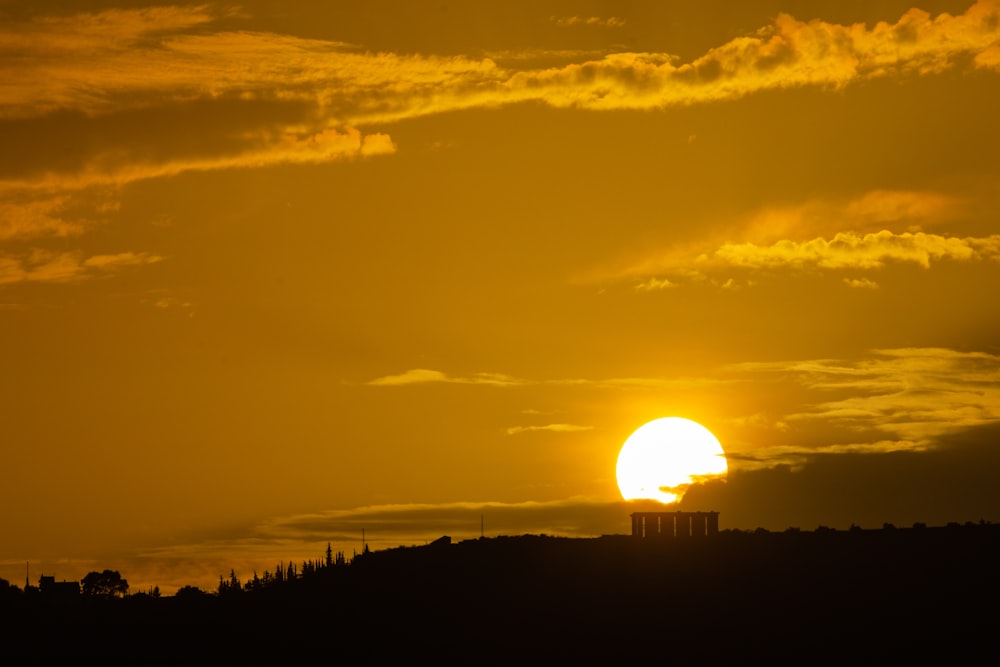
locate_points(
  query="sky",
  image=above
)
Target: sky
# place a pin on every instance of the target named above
(273, 274)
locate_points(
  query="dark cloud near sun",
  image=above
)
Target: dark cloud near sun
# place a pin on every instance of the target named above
(953, 482)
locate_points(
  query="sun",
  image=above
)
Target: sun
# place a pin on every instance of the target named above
(664, 457)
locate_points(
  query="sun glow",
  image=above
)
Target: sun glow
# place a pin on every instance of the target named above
(664, 457)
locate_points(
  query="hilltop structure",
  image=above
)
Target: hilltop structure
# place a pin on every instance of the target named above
(679, 525)
(48, 586)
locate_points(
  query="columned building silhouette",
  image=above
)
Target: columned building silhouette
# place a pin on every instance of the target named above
(680, 525)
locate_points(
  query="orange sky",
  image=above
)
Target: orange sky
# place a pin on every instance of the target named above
(271, 273)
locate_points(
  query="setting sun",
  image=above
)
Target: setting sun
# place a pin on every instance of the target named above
(662, 458)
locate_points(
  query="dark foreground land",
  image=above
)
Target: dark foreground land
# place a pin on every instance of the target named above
(862, 597)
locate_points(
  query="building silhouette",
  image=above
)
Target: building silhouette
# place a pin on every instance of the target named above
(674, 525)
(48, 586)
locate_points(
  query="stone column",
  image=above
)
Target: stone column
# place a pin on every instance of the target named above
(699, 524)
(713, 523)
(683, 525)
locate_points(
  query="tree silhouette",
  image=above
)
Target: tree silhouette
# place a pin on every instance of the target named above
(231, 587)
(106, 584)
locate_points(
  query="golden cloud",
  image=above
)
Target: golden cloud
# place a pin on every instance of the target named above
(845, 251)
(850, 250)
(788, 54)
(99, 62)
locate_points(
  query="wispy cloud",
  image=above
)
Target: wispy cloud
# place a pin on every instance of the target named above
(861, 283)
(46, 266)
(286, 148)
(427, 376)
(28, 214)
(917, 395)
(654, 284)
(33, 200)
(889, 207)
(54, 204)
(120, 59)
(556, 428)
(111, 262)
(594, 21)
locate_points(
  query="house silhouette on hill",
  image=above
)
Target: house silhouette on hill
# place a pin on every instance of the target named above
(48, 586)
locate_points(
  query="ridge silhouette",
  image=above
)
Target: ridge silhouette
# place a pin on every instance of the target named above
(815, 597)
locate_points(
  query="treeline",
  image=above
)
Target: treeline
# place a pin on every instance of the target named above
(110, 584)
(310, 570)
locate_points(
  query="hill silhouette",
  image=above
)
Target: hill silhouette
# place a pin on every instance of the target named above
(817, 597)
